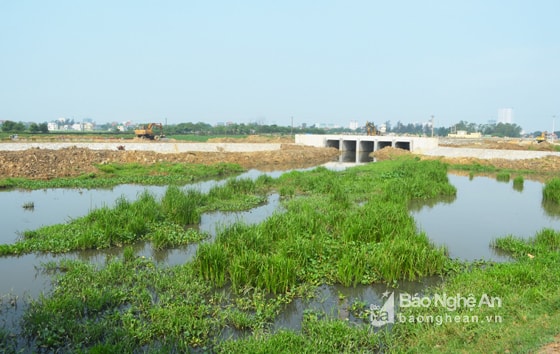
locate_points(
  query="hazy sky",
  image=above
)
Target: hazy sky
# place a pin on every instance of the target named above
(268, 61)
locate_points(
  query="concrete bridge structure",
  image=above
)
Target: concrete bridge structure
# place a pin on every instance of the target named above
(357, 148)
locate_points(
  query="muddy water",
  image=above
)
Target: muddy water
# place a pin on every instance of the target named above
(484, 210)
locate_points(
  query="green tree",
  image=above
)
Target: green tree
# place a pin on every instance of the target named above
(507, 129)
(44, 128)
(34, 128)
(12, 127)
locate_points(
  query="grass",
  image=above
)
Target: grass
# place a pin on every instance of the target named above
(518, 183)
(318, 335)
(477, 168)
(328, 237)
(503, 177)
(162, 221)
(551, 191)
(109, 175)
(203, 138)
(350, 227)
(28, 205)
(527, 319)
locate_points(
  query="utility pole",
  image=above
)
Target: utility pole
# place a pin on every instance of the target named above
(552, 135)
(432, 125)
(292, 131)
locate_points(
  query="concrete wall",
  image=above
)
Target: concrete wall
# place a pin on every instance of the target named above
(162, 147)
(414, 144)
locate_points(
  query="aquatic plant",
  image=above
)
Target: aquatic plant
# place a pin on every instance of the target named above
(319, 334)
(545, 240)
(518, 183)
(350, 227)
(519, 295)
(182, 207)
(237, 194)
(551, 190)
(109, 175)
(328, 237)
(502, 177)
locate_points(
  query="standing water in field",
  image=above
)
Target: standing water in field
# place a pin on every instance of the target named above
(483, 210)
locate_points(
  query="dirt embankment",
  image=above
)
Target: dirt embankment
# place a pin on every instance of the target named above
(499, 144)
(40, 163)
(546, 164)
(71, 162)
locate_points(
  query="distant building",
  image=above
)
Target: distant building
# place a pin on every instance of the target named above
(52, 126)
(354, 125)
(505, 115)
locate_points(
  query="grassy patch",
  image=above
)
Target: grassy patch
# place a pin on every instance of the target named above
(350, 227)
(503, 177)
(551, 191)
(526, 319)
(333, 231)
(162, 221)
(518, 183)
(109, 175)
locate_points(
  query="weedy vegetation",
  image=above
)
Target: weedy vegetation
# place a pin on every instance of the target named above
(523, 321)
(349, 227)
(551, 191)
(503, 177)
(110, 175)
(518, 183)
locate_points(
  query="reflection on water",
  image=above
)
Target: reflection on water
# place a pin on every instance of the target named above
(418, 205)
(484, 210)
(552, 209)
(336, 300)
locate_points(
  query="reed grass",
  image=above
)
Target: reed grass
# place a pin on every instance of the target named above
(525, 321)
(503, 177)
(109, 175)
(545, 240)
(318, 335)
(551, 190)
(518, 182)
(327, 236)
(182, 207)
(349, 227)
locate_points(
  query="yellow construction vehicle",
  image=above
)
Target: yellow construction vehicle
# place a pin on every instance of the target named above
(371, 129)
(146, 131)
(541, 137)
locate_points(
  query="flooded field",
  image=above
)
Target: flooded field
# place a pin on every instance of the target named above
(482, 210)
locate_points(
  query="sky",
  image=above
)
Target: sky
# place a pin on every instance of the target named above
(272, 62)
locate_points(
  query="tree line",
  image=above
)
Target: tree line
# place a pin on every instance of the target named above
(499, 129)
(200, 128)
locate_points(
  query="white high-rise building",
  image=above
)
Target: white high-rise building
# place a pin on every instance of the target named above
(505, 115)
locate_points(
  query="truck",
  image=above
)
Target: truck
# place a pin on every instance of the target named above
(148, 131)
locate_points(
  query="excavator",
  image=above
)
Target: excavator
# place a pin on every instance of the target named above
(371, 129)
(541, 137)
(147, 131)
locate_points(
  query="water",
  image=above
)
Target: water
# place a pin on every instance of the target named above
(53, 206)
(484, 210)
(336, 301)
